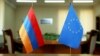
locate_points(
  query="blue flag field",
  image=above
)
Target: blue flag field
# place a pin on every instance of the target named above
(72, 30)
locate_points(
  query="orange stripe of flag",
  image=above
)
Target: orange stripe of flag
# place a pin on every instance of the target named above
(25, 39)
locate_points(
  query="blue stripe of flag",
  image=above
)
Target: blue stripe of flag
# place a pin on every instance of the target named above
(31, 33)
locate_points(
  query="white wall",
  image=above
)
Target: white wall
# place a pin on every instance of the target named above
(97, 9)
(1, 18)
(62, 14)
(1, 12)
(86, 15)
(9, 19)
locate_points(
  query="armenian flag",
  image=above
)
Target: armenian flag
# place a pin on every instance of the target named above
(30, 33)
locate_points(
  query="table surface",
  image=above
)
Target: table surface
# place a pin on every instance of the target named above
(56, 42)
(52, 46)
(51, 41)
(48, 55)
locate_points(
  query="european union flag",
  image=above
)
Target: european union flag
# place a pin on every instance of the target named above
(72, 31)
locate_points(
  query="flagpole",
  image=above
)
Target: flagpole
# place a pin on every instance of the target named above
(32, 4)
(70, 51)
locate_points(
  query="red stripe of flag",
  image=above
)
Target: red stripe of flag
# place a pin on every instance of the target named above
(35, 26)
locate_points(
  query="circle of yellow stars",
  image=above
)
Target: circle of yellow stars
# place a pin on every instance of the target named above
(70, 28)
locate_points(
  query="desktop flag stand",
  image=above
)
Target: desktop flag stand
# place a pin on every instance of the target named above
(30, 33)
(72, 31)
(32, 38)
